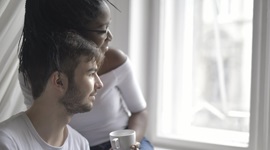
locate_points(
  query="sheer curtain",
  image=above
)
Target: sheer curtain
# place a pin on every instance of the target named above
(11, 22)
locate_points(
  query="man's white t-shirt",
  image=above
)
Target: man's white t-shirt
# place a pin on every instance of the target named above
(18, 133)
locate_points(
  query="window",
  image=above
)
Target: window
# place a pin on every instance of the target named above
(205, 66)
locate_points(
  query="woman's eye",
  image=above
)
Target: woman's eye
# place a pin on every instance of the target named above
(102, 32)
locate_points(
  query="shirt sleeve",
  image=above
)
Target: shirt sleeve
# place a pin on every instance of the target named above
(6, 143)
(129, 88)
(26, 90)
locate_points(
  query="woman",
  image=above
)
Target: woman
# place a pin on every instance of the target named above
(120, 104)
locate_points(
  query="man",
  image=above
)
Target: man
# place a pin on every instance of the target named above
(62, 72)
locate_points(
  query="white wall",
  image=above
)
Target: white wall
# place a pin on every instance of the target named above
(120, 25)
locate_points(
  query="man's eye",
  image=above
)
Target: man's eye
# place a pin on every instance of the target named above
(91, 74)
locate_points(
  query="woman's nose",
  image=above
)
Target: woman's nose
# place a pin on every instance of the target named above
(109, 35)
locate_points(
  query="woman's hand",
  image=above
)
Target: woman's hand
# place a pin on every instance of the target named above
(136, 146)
(133, 147)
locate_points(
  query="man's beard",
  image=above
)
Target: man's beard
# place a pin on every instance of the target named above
(72, 101)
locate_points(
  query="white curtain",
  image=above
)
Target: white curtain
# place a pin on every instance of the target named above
(11, 23)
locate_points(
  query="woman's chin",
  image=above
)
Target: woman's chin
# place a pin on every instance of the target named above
(105, 49)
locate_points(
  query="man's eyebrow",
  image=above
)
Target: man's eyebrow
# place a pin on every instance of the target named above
(92, 70)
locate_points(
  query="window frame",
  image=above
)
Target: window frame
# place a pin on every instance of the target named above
(260, 84)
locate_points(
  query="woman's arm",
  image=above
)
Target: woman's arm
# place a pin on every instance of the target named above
(138, 122)
(129, 89)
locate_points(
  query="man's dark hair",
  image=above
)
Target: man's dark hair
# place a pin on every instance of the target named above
(59, 52)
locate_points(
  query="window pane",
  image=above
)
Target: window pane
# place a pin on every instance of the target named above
(206, 70)
(222, 60)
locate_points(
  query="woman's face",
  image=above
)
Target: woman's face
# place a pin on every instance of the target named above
(99, 31)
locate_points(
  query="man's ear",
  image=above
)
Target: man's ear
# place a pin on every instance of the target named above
(58, 80)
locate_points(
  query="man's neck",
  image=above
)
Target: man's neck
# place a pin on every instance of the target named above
(50, 122)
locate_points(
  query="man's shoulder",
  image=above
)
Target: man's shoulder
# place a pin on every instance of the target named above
(10, 131)
(12, 122)
(14, 127)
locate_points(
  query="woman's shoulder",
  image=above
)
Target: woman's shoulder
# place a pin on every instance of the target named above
(113, 59)
(115, 56)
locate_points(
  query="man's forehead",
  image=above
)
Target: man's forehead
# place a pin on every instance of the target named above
(86, 66)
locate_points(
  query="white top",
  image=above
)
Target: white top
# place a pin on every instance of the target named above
(18, 133)
(109, 112)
